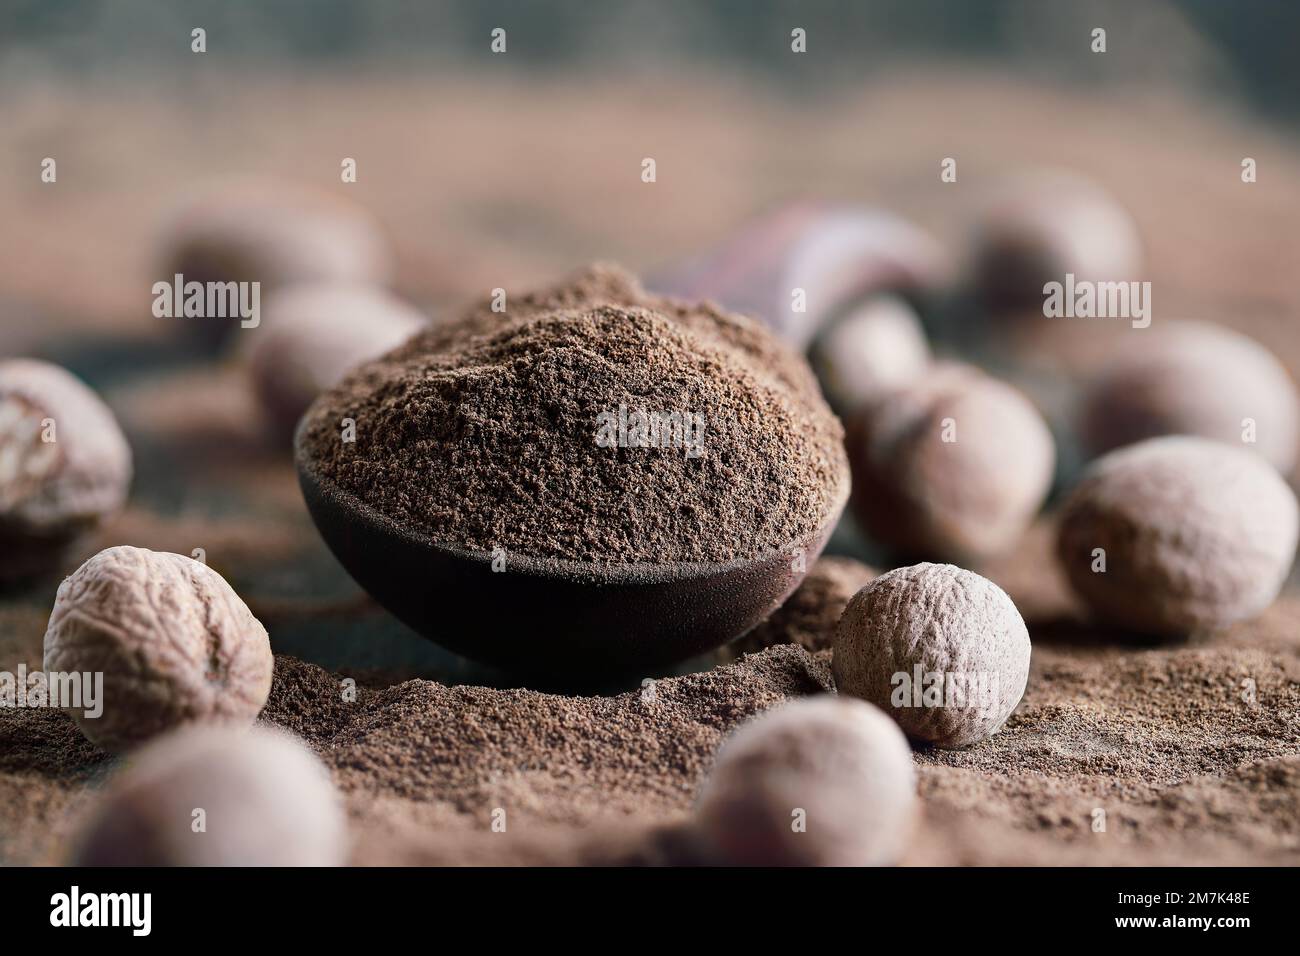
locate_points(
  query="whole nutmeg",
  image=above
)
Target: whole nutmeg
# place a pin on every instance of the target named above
(876, 346)
(1044, 225)
(174, 642)
(953, 466)
(64, 466)
(1195, 378)
(217, 796)
(1178, 534)
(274, 234)
(312, 334)
(940, 649)
(796, 267)
(824, 781)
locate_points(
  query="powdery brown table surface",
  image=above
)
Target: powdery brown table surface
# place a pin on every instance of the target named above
(1168, 742)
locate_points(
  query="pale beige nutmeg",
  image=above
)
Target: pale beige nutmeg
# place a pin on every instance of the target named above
(1195, 378)
(940, 649)
(952, 467)
(1178, 534)
(819, 782)
(312, 334)
(274, 234)
(217, 796)
(175, 644)
(877, 345)
(65, 466)
(1045, 224)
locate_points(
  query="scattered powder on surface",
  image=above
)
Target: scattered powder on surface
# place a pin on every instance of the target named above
(809, 615)
(1161, 739)
(483, 433)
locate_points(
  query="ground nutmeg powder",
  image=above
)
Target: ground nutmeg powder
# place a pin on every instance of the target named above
(484, 432)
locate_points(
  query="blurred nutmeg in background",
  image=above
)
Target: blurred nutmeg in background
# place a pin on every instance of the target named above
(217, 796)
(1194, 378)
(1043, 225)
(840, 763)
(274, 234)
(65, 466)
(312, 334)
(876, 345)
(1178, 534)
(951, 467)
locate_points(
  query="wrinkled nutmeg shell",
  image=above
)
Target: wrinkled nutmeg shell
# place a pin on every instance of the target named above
(175, 644)
(934, 619)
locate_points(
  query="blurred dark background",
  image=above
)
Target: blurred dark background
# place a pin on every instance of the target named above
(1246, 46)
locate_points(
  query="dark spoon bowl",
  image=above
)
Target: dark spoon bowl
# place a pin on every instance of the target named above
(548, 616)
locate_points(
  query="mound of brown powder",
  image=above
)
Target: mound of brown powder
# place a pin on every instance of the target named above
(484, 433)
